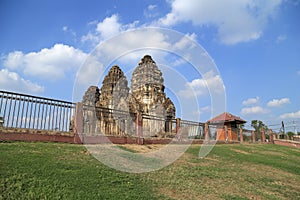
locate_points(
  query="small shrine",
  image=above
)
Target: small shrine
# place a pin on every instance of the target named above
(227, 126)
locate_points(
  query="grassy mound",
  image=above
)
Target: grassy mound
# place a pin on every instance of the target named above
(66, 171)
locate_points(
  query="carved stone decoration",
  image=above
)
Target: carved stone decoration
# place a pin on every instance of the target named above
(116, 106)
(89, 100)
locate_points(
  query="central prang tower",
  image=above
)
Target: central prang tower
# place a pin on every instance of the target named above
(149, 97)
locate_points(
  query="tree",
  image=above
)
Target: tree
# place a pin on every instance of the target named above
(290, 134)
(258, 125)
(241, 126)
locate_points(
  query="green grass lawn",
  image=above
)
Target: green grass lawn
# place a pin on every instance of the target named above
(65, 171)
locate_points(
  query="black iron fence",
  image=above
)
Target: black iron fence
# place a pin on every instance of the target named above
(158, 126)
(192, 129)
(32, 112)
(102, 120)
(39, 113)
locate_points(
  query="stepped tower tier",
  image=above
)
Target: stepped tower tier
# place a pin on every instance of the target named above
(147, 74)
(114, 89)
(147, 88)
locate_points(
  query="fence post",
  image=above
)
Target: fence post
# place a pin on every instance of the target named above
(78, 123)
(271, 137)
(263, 135)
(253, 136)
(178, 121)
(206, 136)
(241, 135)
(139, 128)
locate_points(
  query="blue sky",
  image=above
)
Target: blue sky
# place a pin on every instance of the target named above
(254, 44)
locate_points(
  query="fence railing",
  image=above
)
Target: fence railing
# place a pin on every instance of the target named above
(32, 112)
(102, 120)
(194, 129)
(39, 113)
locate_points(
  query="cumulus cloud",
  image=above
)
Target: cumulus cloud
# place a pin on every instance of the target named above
(106, 29)
(251, 101)
(49, 63)
(200, 87)
(253, 110)
(13, 82)
(278, 102)
(236, 21)
(109, 27)
(290, 115)
(135, 46)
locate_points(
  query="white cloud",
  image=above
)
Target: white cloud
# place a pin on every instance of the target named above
(205, 109)
(298, 72)
(281, 38)
(13, 82)
(14, 60)
(290, 115)
(199, 87)
(278, 102)
(136, 45)
(236, 21)
(254, 110)
(50, 64)
(251, 101)
(151, 11)
(106, 29)
(109, 27)
(151, 7)
(66, 29)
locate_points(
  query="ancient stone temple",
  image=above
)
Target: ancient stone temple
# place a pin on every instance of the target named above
(113, 104)
(148, 96)
(113, 108)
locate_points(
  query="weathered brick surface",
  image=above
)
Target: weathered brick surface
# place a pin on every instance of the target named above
(288, 143)
(48, 136)
(15, 136)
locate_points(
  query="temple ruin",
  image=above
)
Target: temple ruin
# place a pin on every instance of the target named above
(113, 108)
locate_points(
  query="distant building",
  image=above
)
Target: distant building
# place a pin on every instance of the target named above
(226, 126)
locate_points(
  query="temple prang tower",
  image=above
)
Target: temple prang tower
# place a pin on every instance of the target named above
(146, 97)
(147, 89)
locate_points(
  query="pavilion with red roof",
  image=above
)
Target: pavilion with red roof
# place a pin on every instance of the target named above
(226, 126)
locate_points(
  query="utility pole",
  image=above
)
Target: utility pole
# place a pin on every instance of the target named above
(282, 127)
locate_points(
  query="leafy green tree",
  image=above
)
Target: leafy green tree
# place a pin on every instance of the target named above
(290, 134)
(258, 125)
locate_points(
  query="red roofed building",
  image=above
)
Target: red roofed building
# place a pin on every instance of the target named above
(226, 126)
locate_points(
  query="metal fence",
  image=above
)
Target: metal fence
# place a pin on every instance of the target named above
(32, 112)
(102, 120)
(247, 135)
(193, 129)
(158, 126)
